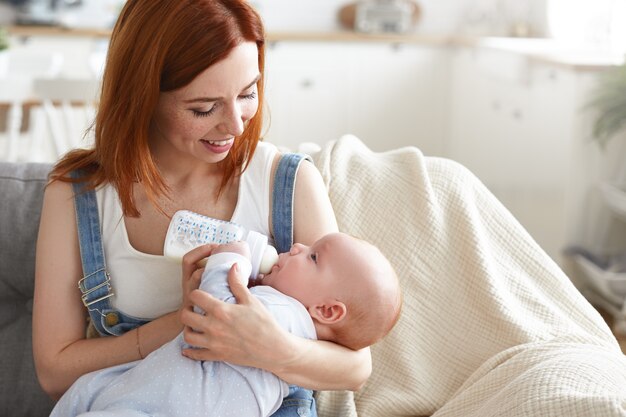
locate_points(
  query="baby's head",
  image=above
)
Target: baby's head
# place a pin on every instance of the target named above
(347, 285)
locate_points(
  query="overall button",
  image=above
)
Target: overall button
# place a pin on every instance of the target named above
(111, 319)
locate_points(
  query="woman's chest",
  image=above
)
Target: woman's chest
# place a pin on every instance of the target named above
(147, 232)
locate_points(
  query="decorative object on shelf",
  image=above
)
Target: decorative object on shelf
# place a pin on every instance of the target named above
(609, 100)
(380, 16)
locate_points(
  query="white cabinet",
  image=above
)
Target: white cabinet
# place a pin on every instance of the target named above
(399, 96)
(514, 124)
(306, 94)
(511, 119)
(389, 95)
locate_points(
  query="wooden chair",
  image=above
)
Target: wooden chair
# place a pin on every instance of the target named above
(68, 107)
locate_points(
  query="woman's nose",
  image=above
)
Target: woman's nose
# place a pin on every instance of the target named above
(232, 123)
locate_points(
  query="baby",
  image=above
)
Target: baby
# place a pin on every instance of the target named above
(339, 289)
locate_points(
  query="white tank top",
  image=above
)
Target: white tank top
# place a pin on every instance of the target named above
(149, 286)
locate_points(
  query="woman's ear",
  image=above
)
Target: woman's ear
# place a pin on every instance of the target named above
(329, 313)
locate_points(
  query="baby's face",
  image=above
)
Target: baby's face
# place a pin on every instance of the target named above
(308, 273)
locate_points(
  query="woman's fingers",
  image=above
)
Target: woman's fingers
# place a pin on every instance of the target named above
(216, 319)
(210, 334)
(232, 332)
(194, 256)
(198, 354)
(192, 271)
(189, 284)
(239, 285)
(226, 331)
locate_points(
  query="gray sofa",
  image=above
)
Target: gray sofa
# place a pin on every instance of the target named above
(21, 192)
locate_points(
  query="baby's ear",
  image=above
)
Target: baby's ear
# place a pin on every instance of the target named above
(329, 313)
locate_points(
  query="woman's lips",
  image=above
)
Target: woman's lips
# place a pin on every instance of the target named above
(218, 146)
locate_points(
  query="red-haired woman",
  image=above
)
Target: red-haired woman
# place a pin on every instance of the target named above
(178, 127)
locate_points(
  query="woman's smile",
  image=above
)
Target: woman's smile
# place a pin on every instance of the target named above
(218, 146)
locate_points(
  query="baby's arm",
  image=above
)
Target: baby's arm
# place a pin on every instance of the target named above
(215, 276)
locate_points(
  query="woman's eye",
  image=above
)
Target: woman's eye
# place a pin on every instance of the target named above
(207, 113)
(250, 96)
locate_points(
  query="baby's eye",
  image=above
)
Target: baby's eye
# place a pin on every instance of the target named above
(313, 257)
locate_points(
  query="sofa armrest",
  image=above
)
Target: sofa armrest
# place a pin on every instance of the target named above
(21, 193)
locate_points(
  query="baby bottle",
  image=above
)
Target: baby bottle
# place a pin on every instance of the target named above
(188, 230)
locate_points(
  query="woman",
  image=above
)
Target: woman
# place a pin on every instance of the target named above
(179, 119)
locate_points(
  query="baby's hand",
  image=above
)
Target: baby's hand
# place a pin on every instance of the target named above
(240, 247)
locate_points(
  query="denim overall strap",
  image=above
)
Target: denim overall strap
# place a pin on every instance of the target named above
(300, 401)
(282, 199)
(95, 286)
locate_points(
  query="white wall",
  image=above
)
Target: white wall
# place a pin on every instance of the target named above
(485, 17)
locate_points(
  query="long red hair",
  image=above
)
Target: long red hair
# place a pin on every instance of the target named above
(156, 46)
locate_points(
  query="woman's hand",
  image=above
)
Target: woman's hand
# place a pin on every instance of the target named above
(193, 266)
(244, 333)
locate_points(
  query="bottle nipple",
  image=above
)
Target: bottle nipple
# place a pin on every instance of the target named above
(263, 256)
(269, 259)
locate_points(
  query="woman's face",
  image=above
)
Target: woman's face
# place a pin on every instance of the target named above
(202, 119)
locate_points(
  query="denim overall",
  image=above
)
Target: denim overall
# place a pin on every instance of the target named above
(95, 286)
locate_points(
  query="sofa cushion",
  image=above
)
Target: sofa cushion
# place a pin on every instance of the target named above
(21, 192)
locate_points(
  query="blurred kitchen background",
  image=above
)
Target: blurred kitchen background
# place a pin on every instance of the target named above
(510, 88)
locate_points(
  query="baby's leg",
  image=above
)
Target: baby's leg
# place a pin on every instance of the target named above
(80, 396)
(151, 386)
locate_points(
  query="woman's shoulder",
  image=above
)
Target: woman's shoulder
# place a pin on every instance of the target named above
(58, 191)
(261, 163)
(64, 190)
(265, 150)
(58, 206)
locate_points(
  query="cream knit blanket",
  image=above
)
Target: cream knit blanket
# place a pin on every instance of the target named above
(490, 325)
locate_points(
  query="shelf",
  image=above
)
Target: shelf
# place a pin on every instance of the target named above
(271, 36)
(615, 199)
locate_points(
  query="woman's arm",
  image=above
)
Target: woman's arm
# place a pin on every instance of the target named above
(313, 215)
(313, 218)
(246, 334)
(61, 352)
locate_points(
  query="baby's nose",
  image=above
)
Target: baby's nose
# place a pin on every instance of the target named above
(296, 248)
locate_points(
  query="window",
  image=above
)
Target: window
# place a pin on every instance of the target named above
(598, 23)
